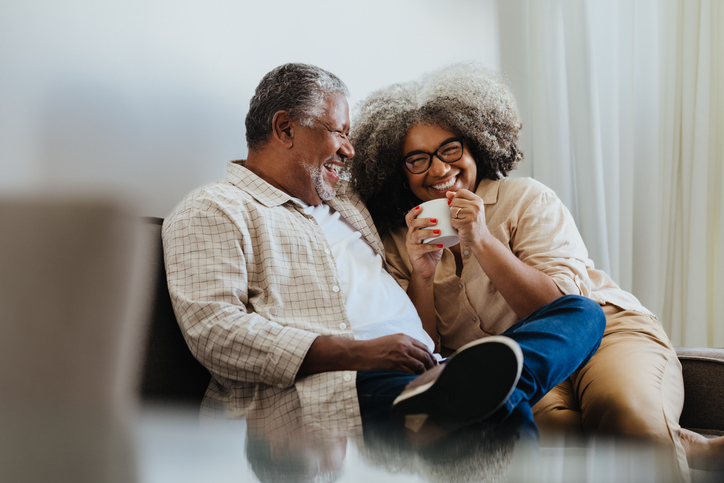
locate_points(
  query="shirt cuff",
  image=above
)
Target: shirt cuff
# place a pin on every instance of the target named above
(286, 356)
(570, 286)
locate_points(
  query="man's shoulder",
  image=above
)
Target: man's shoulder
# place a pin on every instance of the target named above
(220, 199)
(219, 193)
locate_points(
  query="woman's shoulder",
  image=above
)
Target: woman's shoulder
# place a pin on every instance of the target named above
(517, 188)
(526, 184)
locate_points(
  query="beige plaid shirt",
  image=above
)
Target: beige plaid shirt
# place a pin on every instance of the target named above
(532, 221)
(253, 283)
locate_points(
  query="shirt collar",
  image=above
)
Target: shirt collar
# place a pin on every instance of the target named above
(266, 194)
(244, 179)
(488, 190)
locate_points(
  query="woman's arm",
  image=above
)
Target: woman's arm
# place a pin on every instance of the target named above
(525, 288)
(423, 260)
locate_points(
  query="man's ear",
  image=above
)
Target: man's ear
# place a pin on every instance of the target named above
(283, 129)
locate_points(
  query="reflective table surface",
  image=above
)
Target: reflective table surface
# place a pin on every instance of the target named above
(171, 446)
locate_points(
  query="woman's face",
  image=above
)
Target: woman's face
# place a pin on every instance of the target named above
(441, 177)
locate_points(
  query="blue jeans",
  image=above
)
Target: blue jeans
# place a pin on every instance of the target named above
(557, 339)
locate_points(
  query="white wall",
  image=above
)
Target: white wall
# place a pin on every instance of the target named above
(149, 97)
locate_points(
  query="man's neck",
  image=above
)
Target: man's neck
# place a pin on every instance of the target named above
(258, 163)
(272, 168)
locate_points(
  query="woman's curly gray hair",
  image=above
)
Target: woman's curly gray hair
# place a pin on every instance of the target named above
(468, 100)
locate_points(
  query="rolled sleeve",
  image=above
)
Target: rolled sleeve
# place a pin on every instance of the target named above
(568, 283)
(546, 238)
(285, 357)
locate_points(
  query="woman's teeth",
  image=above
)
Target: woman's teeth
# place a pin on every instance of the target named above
(444, 186)
(331, 166)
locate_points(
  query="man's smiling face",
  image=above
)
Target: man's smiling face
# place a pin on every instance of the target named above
(321, 151)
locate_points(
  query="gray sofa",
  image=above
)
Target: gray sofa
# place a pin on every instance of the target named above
(704, 390)
(170, 374)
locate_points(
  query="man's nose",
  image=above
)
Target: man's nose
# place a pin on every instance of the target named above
(347, 150)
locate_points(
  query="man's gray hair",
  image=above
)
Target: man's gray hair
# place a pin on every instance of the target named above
(298, 89)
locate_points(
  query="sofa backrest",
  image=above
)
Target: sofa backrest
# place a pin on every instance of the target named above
(170, 373)
(703, 370)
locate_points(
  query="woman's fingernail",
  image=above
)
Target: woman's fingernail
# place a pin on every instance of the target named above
(417, 207)
(439, 246)
(449, 202)
(433, 220)
(437, 232)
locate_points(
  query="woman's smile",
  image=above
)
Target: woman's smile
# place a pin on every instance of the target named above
(441, 176)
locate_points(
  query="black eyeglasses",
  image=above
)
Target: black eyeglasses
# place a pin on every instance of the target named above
(417, 162)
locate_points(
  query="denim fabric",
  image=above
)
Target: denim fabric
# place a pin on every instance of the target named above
(376, 391)
(556, 340)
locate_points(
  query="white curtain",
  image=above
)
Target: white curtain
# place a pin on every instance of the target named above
(692, 135)
(622, 110)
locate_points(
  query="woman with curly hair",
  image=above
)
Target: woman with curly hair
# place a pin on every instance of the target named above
(454, 134)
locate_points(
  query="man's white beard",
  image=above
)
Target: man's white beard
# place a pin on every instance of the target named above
(325, 191)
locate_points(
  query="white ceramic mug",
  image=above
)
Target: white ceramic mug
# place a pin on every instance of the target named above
(440, 209)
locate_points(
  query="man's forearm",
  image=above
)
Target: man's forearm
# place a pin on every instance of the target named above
(329, 354)
(396, 352)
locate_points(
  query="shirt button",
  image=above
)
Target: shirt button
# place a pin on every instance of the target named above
(460, 286)
(475, 319)
(335, 289)
(466, 252)
(347, 377)
(342, 326)
(326, 250)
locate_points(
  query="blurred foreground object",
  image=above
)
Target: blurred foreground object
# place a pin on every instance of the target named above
(72, 308)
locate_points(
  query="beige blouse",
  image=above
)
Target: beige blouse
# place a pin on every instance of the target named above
(529, 218)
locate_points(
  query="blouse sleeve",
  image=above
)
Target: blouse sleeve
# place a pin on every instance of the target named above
(396, 256)
(544, 235)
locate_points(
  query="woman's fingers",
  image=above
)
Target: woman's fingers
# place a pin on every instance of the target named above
(468, 216)
(412, 214)
(420, 229)
(465, 203)
(462, 194)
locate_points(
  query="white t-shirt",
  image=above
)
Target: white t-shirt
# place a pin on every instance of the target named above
(376, 304)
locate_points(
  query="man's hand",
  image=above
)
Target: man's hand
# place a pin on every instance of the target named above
(397, 352)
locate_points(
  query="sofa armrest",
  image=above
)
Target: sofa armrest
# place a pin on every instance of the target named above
(703, 371)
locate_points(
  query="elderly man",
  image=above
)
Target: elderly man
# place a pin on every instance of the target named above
(279, 283)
